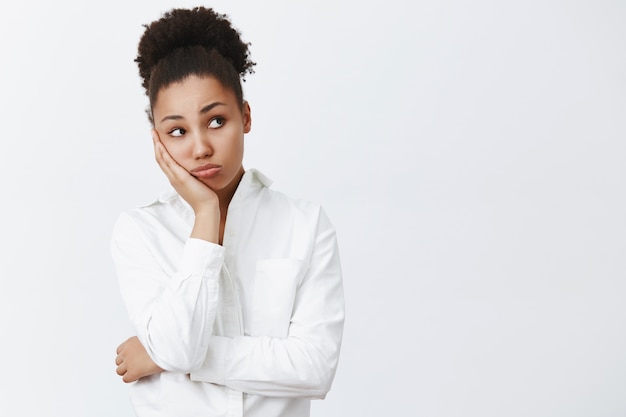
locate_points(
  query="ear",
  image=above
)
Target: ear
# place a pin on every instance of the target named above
(247, 118)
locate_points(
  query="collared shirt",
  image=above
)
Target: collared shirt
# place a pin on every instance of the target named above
(249, 328)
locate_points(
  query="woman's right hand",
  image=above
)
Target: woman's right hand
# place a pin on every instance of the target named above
(133, 362)
(202, 199)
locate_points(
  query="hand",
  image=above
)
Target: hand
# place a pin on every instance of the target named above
(200, 197)
(133, 361)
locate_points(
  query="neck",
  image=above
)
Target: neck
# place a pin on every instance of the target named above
(225, 195)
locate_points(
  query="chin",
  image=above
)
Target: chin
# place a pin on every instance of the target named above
(213, 184)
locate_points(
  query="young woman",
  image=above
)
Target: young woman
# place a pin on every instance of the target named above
(234, 290)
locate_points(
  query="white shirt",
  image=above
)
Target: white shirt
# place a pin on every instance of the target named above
(252, 327)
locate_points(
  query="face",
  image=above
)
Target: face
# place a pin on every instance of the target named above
(201, 124)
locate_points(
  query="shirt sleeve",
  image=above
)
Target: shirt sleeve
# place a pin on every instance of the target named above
(303, 364)
(172, 315)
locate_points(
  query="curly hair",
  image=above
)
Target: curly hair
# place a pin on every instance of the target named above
(195, 41)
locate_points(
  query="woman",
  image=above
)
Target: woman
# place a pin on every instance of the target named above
(234, 290)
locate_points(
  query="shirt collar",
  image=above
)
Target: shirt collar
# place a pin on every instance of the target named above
(252, 179)
(255, 178)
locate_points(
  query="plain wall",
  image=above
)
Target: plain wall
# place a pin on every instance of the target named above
(471, 155)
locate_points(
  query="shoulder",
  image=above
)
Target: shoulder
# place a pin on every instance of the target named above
(279, 203)
(284, 226)
(283, 211)
(167, 212)
(299, 206)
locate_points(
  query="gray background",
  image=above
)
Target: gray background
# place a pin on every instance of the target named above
(470, 154)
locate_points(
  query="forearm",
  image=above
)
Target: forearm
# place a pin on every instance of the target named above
(191, 324)
(171, 307)
(207, 223)
(176, 329)
(177, 332)
(302, 363)
(287, 367)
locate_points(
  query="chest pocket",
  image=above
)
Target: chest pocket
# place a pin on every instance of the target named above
(275, 284)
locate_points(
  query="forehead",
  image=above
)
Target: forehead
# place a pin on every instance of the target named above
(191, 95)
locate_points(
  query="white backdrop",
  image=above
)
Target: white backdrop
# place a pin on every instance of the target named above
(471, 154)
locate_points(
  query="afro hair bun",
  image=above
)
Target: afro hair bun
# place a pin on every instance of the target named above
(180, 28)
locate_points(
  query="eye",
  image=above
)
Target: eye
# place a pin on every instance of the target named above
(216, 122)
(177, 132)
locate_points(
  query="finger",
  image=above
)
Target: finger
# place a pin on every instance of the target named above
(167, 164)
(174, 172)
(167, 158)
(178, 176)
(158, 150)
(120, 347)
(128, 377)
(158, 155)
(118, 360)
(163, 152)
(121, 370)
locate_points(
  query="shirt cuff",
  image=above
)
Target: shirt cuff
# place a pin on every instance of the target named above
(201, 257)
(214, 367)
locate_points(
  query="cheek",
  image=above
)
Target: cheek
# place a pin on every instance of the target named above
(230, 141)
(236, 148)
(177, 151)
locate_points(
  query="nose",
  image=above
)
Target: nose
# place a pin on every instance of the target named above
(202, 145)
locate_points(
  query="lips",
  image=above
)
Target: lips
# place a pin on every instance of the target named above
(206, 171)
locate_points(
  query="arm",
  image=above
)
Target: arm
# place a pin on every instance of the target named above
(200, 197)
(303, 364)
(172, 315)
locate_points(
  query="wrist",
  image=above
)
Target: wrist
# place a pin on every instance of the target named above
(207, 225)
(207, 208)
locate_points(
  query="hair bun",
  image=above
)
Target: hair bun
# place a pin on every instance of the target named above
(189, 27)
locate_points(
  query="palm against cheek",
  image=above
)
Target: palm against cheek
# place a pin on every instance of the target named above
(194, 191)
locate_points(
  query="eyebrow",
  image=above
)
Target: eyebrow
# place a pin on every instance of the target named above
(203, 110)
